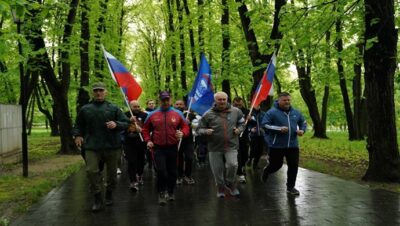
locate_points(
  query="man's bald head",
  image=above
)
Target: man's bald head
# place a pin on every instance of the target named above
(134, 104)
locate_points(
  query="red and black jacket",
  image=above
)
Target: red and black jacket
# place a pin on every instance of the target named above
(161, 125)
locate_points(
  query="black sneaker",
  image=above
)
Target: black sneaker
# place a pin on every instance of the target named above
(293, 191)
(264, 175)
(98, 203)
(109, 199)
(162, 199)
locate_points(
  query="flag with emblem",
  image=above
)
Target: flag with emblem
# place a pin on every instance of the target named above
(201, 97)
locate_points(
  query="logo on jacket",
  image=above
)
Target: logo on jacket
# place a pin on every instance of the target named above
(173, 119)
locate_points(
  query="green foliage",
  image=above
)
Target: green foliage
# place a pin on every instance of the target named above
(144, 44)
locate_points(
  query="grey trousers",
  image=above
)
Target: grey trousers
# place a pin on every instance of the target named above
(218, 167)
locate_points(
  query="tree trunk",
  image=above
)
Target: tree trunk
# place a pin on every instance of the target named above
(83, 93)
(182, 55)
(30, 114)
(258, 59)
(101, 29)
(342, 81)
(170, 36)
(380, 67)
(200, 12)
(308, 93)
(226, 43)
(357, 96)
(325, 98)
(58, 86)
(191, 36)
(41, 103)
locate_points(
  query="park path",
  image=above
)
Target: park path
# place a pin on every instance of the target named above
(324, 200)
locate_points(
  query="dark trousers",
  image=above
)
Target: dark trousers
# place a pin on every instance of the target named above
(134, 153)
(185, 158)
(256, 149)
(243, 155)
(292, 159)
(166, 166)
(201, 143)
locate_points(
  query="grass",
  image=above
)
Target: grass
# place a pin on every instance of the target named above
(339, 157)
(47, 170)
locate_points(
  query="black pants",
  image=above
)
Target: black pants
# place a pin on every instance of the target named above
(243, 155)
(256, 149)
(134, 152)
(166, 166)
(292, 159)
(185, 158)
(201, 143)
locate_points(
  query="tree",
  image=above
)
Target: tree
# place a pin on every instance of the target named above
(83, 94)
(226, 43)
(58, 87)
(380, 65)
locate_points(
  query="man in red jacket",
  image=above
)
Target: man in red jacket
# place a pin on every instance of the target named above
(167, 126)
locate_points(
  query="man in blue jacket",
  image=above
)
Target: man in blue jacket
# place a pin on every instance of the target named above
(283, 125)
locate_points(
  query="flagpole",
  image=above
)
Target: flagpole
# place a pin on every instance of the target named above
(187, 117)
(266, 74)
(251, 108)
(122, 92)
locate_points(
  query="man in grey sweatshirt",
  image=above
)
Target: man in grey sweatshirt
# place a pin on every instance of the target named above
(222, 126)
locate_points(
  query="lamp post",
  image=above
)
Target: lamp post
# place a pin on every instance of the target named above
(18, 21)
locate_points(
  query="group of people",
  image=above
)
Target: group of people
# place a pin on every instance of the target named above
(167, 136)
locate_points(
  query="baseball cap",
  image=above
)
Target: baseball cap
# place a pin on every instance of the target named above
(164, 95)
(98, 85)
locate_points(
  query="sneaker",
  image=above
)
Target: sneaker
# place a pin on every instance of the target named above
(232, 189)
(179, 181)
(98, 203)
(242, 179)
(293, 191)
(171, 197)
(264, 175)
(109, 199)
(221, 192)
(189, 180)
(140, 180)
(119, 171)
(162, 199)
(134, 186)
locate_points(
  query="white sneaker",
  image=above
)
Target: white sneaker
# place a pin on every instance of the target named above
(242, 179)
(119, 171)
(179, 181)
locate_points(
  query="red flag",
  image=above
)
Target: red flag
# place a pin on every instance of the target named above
(123, 77)
(265, 85)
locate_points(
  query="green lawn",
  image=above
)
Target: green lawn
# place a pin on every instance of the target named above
(336, 149)
(46, 169)
(339, 157)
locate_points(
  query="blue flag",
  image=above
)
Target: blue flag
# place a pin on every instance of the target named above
(202, 95)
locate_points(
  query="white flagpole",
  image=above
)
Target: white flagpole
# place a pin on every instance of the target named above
(122, 92)
(187, 117)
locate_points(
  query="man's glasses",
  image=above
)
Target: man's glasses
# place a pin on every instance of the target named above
(98, 90)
